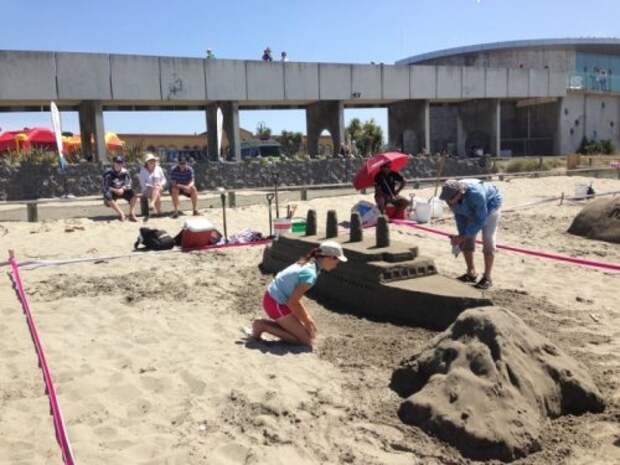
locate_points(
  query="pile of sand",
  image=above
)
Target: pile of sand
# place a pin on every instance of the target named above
(486, 384)
(599, 219)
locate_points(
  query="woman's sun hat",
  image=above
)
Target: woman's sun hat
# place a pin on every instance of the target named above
(149, 157)
(332, 249)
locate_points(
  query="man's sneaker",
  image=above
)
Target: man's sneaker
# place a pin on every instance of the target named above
(468, 278)
(175, 215)
(483, 284)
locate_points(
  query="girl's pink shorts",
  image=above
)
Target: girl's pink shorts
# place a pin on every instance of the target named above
(273, 308)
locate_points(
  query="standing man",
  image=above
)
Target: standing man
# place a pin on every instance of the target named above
(388, 184)
(476, 207)
(267, 55)
(117, 185)
(182, 182)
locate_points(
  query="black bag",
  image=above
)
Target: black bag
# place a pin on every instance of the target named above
(154, 239)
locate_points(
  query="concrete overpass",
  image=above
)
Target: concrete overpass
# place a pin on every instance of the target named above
(93, 83)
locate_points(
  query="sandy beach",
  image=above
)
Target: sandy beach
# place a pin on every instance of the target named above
(151, 365)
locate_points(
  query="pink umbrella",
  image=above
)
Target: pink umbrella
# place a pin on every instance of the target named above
(365, 177)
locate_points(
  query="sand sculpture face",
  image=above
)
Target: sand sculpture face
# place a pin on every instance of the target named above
(486, 384)
(599, 219)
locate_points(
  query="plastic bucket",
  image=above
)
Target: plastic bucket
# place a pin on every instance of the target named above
(581, 191)
(281, 226)
(436, 207)
(298, 226)
(422, 212)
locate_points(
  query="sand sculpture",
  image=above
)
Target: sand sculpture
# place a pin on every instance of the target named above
(487, 384)
(600, 219)
(383, 279)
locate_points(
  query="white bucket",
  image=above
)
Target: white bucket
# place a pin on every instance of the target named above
(581, 191)
(422, 213)
(281, 226)
(436, 207)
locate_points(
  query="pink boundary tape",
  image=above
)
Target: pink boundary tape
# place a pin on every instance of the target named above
(228, 246)
(59, 424)
(535, 253)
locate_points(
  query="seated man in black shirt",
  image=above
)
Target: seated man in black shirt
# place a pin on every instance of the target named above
(117, 185)
(388, 184)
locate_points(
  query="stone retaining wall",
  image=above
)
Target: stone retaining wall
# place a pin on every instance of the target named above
(33, 181)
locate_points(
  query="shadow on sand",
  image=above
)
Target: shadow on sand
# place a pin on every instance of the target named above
(273, 347)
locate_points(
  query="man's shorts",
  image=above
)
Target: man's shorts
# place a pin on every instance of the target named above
(128, 194)
(274, 310)
(181, 192)
(489, 233)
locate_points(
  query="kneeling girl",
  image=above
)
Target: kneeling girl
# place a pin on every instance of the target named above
(289, 319)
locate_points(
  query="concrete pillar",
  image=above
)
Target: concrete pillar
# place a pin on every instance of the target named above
(461, 135)
(92, 129)
(496, 126)
(212, 142)
(427, 125)
(231, 126)
(407, 125)
(324, 115)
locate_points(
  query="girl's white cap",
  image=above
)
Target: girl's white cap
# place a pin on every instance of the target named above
(332, 249)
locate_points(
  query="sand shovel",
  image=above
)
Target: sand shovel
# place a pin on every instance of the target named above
(269, 198)
(290, 211)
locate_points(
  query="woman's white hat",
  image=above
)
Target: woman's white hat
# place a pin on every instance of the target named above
(149, 157)
(332, 249)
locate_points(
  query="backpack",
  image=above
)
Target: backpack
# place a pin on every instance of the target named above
(154, 239)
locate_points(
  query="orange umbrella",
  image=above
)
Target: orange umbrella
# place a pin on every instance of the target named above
(113, 143)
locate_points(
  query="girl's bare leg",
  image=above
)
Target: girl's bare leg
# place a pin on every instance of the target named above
(288, 328)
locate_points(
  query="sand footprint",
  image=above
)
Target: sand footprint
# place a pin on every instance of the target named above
(196, 386)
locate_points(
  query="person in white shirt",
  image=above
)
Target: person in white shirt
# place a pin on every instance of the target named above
(152, 180)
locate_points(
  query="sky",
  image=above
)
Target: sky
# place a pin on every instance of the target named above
(328, 31)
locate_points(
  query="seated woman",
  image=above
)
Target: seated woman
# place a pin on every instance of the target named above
(152, 180)
(289, 319)
(388, 184)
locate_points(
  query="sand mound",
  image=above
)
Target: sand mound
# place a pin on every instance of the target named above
(486, 384)
(600, 219)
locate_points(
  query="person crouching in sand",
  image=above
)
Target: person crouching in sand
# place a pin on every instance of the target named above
(289, 319)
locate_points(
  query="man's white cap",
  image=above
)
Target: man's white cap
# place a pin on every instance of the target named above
(149, 157)
(332, 249)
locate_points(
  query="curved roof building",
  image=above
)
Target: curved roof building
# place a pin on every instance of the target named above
(590, 109)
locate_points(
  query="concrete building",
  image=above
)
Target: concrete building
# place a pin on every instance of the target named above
(526, 97)
(590, 108)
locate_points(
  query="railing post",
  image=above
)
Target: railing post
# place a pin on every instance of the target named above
(33, 213)
(232, 199)
(304, 194)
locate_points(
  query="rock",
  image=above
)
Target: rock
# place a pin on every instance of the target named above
(599, 219)
(487, 384)
(29, 180)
